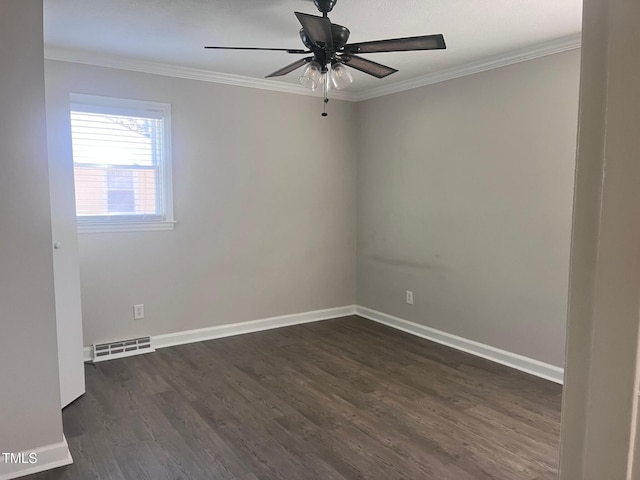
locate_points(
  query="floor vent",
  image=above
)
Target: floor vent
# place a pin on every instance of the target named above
(122, 348)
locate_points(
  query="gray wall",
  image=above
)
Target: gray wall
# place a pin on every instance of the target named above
(29, 396)
(264, 193)
(464, 197)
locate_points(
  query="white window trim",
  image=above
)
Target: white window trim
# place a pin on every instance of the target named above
(125, 227)
(121, 106)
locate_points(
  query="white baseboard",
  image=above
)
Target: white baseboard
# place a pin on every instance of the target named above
(510, 359)
(220, 331)
(48, 457)
(513, 360)
(210, 333)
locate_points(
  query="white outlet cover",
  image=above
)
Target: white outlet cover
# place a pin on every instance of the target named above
(138, 311)
(409, 297)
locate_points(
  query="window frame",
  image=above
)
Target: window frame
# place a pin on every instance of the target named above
(138, 108)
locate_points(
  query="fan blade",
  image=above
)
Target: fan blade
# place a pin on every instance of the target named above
(288, 50)
(367, 66)
(290, 68)
(318, 29)
(425, 42)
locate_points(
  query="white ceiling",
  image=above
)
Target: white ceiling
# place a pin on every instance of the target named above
(173, 32)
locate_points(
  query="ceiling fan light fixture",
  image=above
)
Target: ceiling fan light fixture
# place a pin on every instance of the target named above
(340, 76)
(331, 53)
(312, 76)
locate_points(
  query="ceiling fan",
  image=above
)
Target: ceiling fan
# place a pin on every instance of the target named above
(330, 52)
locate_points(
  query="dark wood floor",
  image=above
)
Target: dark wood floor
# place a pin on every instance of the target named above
(340, 399)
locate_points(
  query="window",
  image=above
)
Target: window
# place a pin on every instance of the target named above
(122, 164)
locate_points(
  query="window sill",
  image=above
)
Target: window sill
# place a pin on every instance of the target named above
(125, 227)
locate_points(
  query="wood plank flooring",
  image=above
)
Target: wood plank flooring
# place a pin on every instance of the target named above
(339, 399)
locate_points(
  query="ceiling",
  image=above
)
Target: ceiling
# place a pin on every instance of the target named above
(172, 32)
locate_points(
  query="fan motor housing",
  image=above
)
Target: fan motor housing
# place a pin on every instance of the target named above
(339, 34)
(325, 6)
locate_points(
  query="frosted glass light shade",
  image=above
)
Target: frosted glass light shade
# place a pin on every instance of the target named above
(340, 76)
(311, 76)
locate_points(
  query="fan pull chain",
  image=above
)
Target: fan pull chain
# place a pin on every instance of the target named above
(326, 91)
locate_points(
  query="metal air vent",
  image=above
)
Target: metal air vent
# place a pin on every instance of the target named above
(122, 348)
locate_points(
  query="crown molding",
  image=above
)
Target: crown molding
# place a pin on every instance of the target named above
(563, 44)
(145, 66)
(559, 45)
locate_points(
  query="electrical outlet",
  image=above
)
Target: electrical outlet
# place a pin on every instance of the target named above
(138, 311)
(409, 297)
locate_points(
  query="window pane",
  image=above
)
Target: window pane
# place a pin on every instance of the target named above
(116, 190)
(114, 139)
(119, 160)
